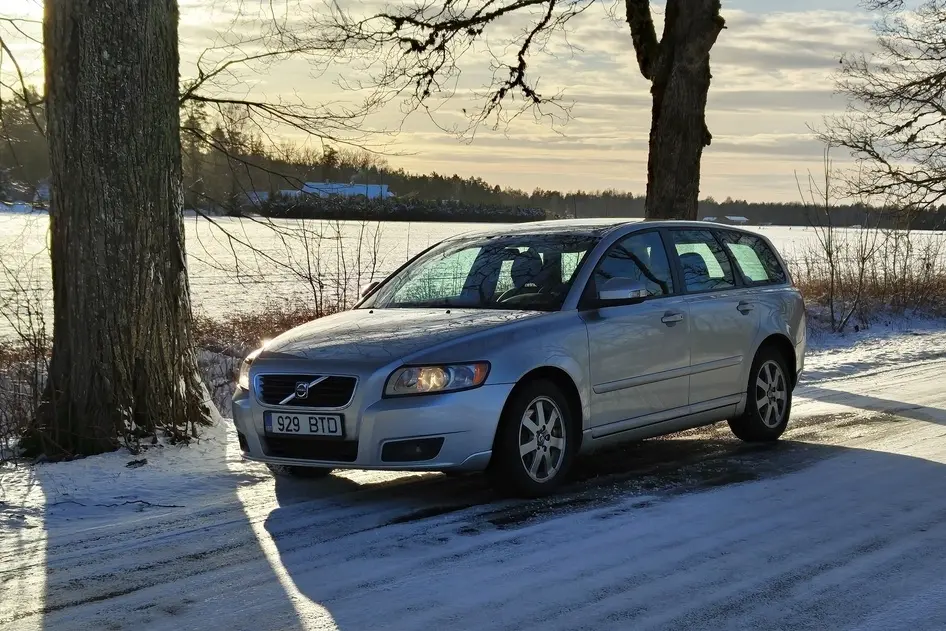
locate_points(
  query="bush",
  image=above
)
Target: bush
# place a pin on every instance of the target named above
(22, 379)
(240, 333)
(865, 274)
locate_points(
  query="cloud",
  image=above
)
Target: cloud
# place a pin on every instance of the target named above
(772, 78)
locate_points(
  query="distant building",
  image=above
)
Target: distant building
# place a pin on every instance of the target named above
(255, 198)
(328, 189)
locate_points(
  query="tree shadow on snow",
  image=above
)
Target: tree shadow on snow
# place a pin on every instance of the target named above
(170, 544)
(880, 405)
(433, 552)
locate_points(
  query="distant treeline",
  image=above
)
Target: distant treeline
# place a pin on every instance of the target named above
(394, 210)
(225, 161)
(359, 208)
(775, 213)
(784, 214)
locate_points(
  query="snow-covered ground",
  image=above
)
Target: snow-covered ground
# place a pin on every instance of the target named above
(842, 525)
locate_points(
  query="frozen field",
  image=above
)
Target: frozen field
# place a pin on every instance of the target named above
(241, 264)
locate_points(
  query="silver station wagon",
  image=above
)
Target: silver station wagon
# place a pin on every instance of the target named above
(515, 349)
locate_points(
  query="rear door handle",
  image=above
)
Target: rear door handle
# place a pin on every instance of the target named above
(672, 317)
(745, 306)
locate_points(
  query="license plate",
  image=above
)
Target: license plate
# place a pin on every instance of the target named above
(287, 424)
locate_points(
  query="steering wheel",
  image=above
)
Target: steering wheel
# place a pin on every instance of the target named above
(513, 292)
(518, 291)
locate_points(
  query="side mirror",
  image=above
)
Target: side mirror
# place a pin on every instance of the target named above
(367, 289)
(622, 289)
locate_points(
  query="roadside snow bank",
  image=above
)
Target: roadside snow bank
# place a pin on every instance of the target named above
(161, 478)
(890, 342)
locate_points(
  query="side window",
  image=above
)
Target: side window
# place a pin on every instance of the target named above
(641, 257)
(704, 265)
(754, 257)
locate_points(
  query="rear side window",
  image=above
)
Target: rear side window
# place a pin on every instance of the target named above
(640, 257)
(755, 259)
(704, 265)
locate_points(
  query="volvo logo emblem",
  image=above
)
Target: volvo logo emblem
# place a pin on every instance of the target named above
(301, 391)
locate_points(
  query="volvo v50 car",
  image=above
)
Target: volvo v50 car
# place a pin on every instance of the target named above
(514, 350)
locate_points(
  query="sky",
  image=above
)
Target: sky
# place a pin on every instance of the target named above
(772, 81)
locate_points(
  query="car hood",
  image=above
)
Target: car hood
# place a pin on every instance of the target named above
(385, 335)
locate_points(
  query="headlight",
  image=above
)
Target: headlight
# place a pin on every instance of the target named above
(244, 380)
(432, 379)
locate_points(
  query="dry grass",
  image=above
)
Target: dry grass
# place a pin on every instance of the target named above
(241, 333)
(877, 300)
(872, 275)
(22, 379)
(223, 343)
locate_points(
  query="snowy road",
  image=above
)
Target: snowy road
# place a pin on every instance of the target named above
(842, 525)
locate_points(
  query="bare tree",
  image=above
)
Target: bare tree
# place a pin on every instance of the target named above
(414, 49)
(123, 362)
(895, 123)
(842, 261)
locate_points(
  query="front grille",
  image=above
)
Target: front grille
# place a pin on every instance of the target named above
(311, 448)
(333, 392)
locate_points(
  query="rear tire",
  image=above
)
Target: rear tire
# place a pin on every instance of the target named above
(768, 399)
(535, 442)
(299, 472)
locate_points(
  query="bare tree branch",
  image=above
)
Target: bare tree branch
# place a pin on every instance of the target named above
(895, 124)
(414, 51)
(16, 22)
(24, 91)
(342, 128)
(644, 35)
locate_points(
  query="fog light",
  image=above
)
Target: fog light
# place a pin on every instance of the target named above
(414, 450)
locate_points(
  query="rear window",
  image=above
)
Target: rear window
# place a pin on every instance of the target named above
(754, 258)
(704, 265)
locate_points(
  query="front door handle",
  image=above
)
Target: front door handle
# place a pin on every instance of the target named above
(745, 307)
(672, 317)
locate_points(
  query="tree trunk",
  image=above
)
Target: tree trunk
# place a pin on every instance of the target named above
(679, 70)
(123, 364)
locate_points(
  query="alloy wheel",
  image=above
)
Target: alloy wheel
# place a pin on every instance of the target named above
(771, 394)
(542, 439)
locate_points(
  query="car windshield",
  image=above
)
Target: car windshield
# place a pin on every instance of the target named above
(520, 272)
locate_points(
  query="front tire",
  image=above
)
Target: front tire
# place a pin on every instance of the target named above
(768, 399)
(535, 442)
(311, 473)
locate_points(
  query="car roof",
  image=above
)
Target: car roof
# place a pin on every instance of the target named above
(590, 227)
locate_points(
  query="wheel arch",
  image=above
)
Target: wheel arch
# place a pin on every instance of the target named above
(784, 346)
(565, 383)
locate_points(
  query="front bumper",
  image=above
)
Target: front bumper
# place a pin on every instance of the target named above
(465, 421)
